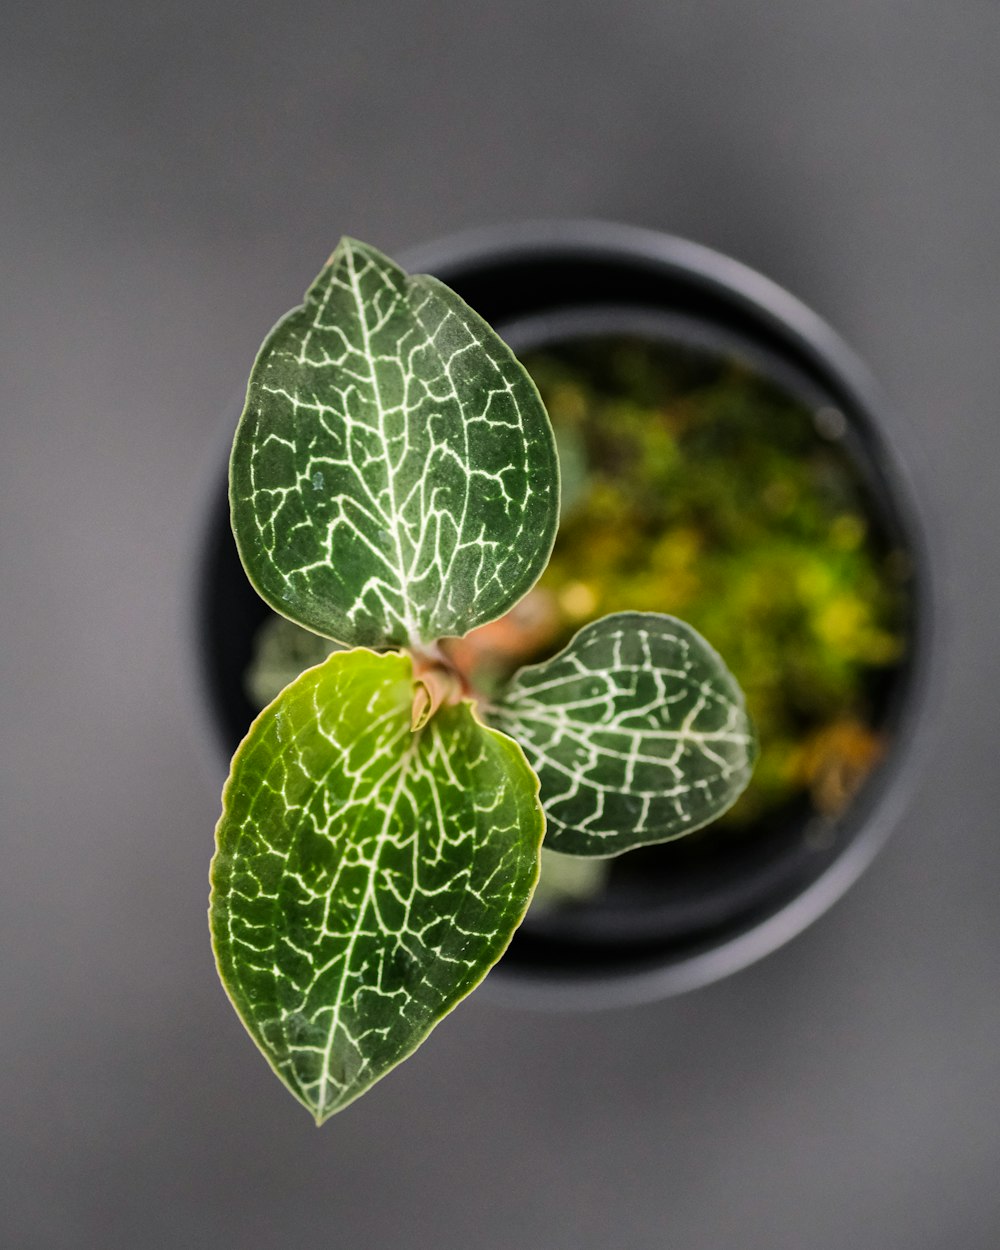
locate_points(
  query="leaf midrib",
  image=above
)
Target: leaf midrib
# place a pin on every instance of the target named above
(404, 581)
(362, 911)
(579, 728)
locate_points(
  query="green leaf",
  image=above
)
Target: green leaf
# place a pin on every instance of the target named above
(366, 877)
(637, 730)
(394, 476)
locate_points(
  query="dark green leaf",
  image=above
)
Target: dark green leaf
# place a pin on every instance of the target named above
(394, 476)
(637, 730)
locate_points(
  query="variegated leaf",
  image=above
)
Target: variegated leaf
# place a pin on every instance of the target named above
(637, 730)
(366, 877)
(394, 476)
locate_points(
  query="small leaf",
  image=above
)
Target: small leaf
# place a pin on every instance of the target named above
(366, 877)
(637, 730)
(394, 476)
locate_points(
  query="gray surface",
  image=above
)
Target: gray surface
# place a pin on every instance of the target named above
(171, 179)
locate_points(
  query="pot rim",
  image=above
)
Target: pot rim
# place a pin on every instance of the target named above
(809, 340)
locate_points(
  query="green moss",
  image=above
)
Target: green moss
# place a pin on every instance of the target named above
(703, 489)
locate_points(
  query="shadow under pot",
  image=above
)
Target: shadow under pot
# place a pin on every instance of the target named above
(724, 460)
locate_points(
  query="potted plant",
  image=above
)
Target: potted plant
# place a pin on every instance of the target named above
(566, 294)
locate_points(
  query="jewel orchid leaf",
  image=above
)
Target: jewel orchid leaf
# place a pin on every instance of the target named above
(637, 730)
(366, 876)
(394, 477)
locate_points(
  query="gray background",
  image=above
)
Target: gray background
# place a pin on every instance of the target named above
(172, 177)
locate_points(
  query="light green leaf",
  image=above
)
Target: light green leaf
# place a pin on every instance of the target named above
(637, 730)
(366, 877)
(394, 476)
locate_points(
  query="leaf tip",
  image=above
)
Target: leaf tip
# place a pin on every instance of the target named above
(350, 246)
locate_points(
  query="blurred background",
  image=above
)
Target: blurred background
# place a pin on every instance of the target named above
(173, 177)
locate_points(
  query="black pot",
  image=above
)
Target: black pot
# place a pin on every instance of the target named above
(702, 911)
